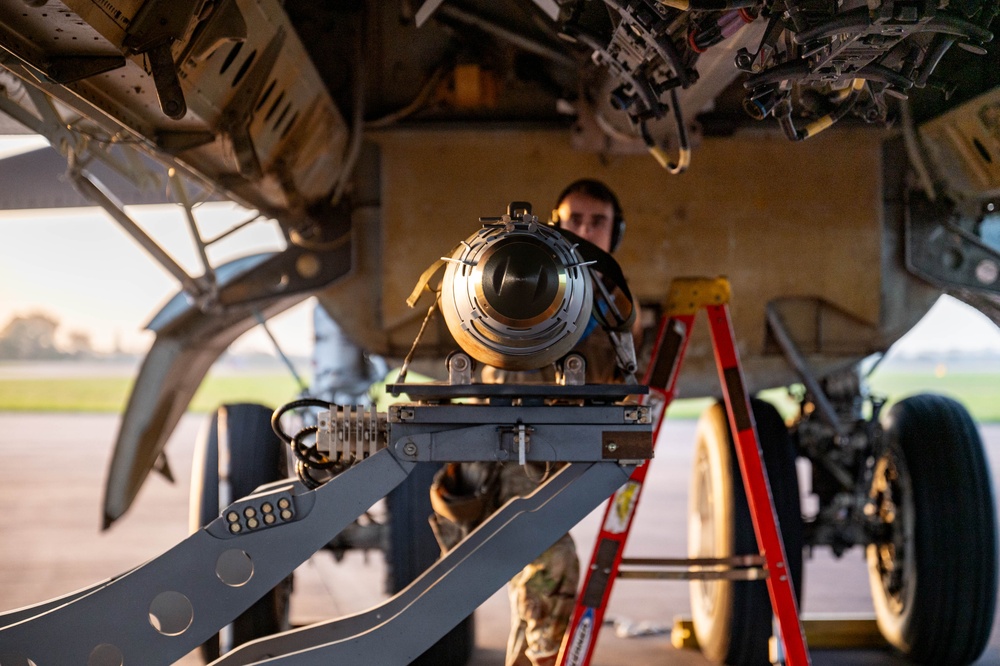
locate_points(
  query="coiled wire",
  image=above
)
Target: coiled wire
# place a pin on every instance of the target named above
(308, 459)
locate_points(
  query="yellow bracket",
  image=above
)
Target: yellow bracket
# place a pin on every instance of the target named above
(689, 294)
(823, 632)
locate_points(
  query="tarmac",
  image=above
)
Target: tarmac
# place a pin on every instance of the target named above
(52, 469)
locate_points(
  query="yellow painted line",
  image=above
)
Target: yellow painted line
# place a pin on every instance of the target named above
(823, 632)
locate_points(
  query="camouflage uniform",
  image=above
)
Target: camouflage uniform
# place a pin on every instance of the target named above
(542, 595)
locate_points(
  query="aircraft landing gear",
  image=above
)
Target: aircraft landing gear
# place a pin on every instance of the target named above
(933, 560)
(915, 492)
(913, 489)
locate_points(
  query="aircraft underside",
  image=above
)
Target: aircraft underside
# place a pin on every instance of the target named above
(838, 162)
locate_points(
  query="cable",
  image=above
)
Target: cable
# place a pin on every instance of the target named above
(824, 122)
(683, 144)
(702, 37)
(545, 474)
(295, 404)
(418, 102)
(358, 120)
(303, 388)
(940, 46)
(309, 454)
(913, 151)
(308, 458)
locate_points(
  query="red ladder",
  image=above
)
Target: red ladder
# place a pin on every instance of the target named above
(686, 296)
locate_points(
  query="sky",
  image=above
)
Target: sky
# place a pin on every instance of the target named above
(79, 266)
(82, 268)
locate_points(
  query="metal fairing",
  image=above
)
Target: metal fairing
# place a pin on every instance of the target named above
(188, 341)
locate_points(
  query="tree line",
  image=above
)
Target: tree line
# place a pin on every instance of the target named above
(32, 337)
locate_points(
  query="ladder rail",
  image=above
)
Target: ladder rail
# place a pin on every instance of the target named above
(588, 614)
(758, 489)
(686, 297)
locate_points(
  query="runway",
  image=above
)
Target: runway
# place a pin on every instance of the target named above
(52, 469)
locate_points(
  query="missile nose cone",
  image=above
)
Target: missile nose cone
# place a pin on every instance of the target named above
(521, 280)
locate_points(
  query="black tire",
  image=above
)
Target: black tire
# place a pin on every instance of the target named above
(412, 549)
(241, 434)
(933, 573)
(732, 619)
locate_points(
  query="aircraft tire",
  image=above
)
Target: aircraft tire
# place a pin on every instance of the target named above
(256, 456)
(732, 619)
(412, 549)
(937, 605)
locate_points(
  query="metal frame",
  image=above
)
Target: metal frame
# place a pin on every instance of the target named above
(162, 610)
(85, 138)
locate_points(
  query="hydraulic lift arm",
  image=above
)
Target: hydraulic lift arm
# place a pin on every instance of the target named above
(162, 610)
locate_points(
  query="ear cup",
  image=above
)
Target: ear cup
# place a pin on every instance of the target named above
(618, 230)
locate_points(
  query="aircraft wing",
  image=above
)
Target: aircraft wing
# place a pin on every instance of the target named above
(360, 119)
(37, 179)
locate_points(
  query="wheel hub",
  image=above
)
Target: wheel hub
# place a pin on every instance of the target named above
(891, 546)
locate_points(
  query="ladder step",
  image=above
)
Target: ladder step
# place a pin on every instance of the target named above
(734, 561)
(740, 567)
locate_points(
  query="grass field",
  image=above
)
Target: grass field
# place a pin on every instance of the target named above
(109, 394)
(980, 392)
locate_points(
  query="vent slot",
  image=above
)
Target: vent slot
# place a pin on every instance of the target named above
(982, 150)
(263, 98)
(288, 126)
(274, 106)
(281, 117)
(233, 52)
(243, 69)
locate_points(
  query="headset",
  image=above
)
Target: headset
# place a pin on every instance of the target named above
(598, 190)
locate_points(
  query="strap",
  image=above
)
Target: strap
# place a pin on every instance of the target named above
(612, 276)
(425, 277)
